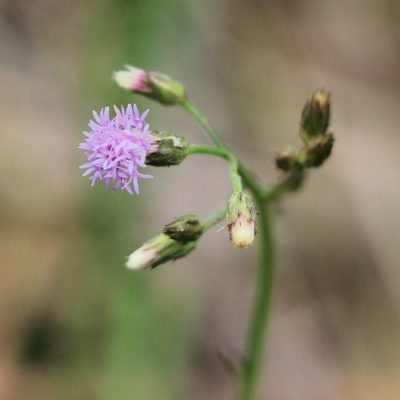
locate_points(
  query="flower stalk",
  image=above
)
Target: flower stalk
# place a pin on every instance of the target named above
(223, 153)
(252, 363)
(195, 113)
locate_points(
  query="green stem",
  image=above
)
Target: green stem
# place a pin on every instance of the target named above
(204, 149)
(251, 368)
(291, 182)
(249, 181)
(227, 155)
(192, 110)
(215, 217)
(253, 361)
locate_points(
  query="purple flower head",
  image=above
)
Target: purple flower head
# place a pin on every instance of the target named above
(116, 147)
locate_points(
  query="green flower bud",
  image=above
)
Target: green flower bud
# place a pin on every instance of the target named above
(171, 150)
(317, 150)
(286, 159)
(185, 229)
(241, 216)
(315, 116)
(158, 251)
(166, 90)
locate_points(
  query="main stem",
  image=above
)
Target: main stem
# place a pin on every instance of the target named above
(252, 364)
(251, 368)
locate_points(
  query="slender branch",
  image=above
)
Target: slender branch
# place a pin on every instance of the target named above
(249, 181)
(192, 109)
(204, 149)
(290, 182)
(215, 217)
(226, 154)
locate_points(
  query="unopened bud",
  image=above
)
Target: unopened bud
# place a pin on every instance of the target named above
(171, 150)
(315, 116)
(158, 251)
(185, 228)
(286, 159)
(154, 85)
(317, 150)
(241, 216)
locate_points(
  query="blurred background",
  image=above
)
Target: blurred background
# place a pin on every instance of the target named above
(75, 324)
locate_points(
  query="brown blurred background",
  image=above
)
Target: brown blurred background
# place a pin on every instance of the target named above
(75, 324)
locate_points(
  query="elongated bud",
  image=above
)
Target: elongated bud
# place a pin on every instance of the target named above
(241, 216)
(315, 116)
(185, 228)
(171, 150)
(158, 251)
(317, 150)
(154, 85)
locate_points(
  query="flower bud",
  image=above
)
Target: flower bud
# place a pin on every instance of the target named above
(241, 216)
(154, 85)
(317, 150)
(133, 79)
(171, 150)
(315, 116)
(286, 159)
(157, 251)
(185, 228)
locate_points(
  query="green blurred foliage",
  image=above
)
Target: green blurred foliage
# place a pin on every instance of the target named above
(146, 338)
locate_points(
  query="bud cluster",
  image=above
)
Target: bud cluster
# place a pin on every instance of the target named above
(318, 142)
